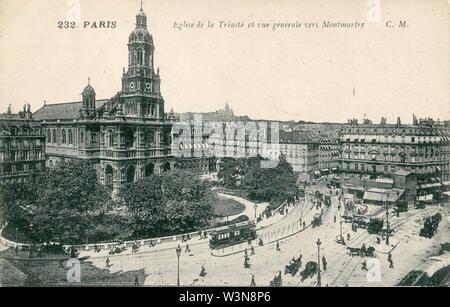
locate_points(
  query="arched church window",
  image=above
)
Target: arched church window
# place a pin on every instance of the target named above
(63, 136)
(110, 138)
(82, 136)
(70, 136)
(49, 136)
(54, 136)
(153, 110)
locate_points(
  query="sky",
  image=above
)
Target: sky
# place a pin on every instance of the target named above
(313, 74)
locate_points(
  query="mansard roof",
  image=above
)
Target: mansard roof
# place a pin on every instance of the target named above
(63, 111)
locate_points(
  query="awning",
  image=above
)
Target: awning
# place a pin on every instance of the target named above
(425, 197)
(348, 196)
(354, 188)
(373, 196)
(394, 195)
(446, 183)
(429, 185)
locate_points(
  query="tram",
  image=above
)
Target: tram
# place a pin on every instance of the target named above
(232, 234)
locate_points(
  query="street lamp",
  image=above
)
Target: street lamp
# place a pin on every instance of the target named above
(178, 250)
(255, 209)
(318, 262)
(340, 230)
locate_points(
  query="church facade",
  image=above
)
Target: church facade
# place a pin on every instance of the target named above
(125, 137)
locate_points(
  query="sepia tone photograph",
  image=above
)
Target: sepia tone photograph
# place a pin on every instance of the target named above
(197, 144)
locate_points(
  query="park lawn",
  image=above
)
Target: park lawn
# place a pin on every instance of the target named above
(225, 207)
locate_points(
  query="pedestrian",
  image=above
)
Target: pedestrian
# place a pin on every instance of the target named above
(246, 264)
(300, 260)
(253, 283)
(136, 280)
(278, 246)
(261, 243)
(391, 262)
(107, 262)
(364, 265)
(16, 250)
(324, 263)
(187, 250)
(252, 250)
(335, 218)
(203, 272)
(61, 263)
(348, 236)
(245, 252)
(304, 225)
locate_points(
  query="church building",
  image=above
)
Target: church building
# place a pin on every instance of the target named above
(125, 137)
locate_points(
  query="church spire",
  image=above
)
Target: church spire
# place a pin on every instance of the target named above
(141, 19)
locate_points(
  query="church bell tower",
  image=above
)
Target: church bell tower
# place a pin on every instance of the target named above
(140, 83)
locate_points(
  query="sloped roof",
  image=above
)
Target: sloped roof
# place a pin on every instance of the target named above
(64, 111)
(375, 196)
(295, 137)
(403, 172)
(382, 195)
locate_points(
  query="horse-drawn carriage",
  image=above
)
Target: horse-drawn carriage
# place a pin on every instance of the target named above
(361, 251)
(117, 249)
(309, 271)
(293, 267)
(361, 221)
(72, 251)
(375, 225)
(276, 281)
(317, 220)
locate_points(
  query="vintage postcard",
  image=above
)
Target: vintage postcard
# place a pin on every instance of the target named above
(204, 144)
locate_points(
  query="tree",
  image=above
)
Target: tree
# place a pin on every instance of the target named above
(271, 184)
(144, 204)
(170, 203)
(229, 172)
(58, 204)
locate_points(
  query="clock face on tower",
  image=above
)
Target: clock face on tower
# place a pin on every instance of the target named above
(148, 85)
(131, 85)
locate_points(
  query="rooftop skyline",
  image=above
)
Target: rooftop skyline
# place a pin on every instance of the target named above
(323, 75)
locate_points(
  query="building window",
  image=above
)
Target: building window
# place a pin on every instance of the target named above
(82, 136)
(63, 136)
(49, 136)
(110, 139)
(70, 136)
(54, 136)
